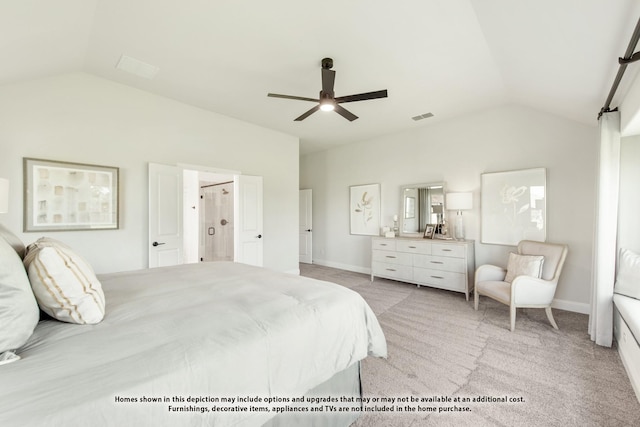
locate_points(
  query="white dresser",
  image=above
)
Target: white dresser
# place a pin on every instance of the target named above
(445, 264)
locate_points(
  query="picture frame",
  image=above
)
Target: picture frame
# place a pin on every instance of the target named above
(513, 206)
(63, 196)
(429, 231)
(364, 209)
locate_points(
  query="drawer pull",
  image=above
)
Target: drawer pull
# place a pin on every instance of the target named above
(412, 247)
(447, 250)
(436, 262)
(437, 277)
(390, 256)
(383, 244)
(391, 269)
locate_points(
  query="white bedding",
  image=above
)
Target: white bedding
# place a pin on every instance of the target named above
(208, 329)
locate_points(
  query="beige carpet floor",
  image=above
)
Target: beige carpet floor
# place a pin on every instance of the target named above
(440, 347)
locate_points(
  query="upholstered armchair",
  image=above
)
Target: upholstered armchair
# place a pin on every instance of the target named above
(530, 279)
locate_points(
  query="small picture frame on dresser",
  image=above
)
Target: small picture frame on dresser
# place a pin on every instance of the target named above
(429, 231)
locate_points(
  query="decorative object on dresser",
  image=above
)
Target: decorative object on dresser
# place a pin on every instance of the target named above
(69, 196)
(364, 209)
(513, 206)
(429, 231)
(527, 281)
(459, 202)
(439, 264)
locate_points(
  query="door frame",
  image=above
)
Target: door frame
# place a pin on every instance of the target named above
(305, 227)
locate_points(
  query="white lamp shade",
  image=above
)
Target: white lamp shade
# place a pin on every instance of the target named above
(4, 195)
(459, 201)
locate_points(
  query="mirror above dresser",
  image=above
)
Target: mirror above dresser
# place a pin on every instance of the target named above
(420, 204)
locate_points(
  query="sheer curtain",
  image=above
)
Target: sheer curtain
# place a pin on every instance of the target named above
(604, 253)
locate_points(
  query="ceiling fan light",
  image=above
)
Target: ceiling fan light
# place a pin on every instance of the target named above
(327, 106)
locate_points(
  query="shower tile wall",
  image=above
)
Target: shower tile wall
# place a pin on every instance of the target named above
(216, 222)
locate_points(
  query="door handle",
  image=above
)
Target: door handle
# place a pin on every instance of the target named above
(259, 236)
(157, 244)
(309, 230)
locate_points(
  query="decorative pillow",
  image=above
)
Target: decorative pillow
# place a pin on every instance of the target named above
(64, 284)
(524, 265)
(12, 240)
(628, 276)
(32, 250)
(19, 312)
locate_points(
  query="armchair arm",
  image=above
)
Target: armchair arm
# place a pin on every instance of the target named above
(526, 290)
(488, 272)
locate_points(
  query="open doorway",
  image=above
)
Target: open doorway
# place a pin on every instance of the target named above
(175, 226)
(209, 216)
(216, 221)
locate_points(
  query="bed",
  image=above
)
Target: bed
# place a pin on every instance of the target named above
(180, 345)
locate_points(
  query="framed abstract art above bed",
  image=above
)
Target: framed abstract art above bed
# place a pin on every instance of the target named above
(69, 196)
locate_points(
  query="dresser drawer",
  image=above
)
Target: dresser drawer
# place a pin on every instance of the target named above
(390, 257)
(450, 250)
(456, 265)
(413, 246)
(392, 271)
(440, 279)
(384, 244)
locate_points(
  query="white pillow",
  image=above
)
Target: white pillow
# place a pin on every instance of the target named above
(64, 284)
(524, 265)
(19, 312)
(628, 276)
(12, 240)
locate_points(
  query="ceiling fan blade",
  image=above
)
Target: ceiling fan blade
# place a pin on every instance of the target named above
(362, 96)
(345, 113)
(299, 98)
(308, 113)
(328, 79)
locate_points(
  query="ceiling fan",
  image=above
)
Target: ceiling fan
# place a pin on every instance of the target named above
(328, 100)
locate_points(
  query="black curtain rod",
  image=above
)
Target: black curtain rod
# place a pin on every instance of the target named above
(628, 58)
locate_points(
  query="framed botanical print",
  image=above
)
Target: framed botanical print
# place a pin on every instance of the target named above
(514, 206)
(364, 209)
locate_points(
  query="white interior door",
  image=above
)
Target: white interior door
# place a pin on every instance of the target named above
(248, 238)
(165, 215)
(306, 227)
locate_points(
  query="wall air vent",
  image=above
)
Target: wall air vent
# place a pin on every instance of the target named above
(137, 67)
(422, 116)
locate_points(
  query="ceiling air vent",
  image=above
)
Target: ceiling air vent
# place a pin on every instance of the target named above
(422, 116)
(137, 67)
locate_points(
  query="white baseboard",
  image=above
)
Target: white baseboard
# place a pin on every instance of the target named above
(340, 266)
(576, 307)
(296, 272)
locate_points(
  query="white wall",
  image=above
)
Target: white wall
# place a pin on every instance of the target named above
(457, 152)
(85, 119)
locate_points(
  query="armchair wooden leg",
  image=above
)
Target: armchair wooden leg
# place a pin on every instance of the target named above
(550, 317)
(476, 297)
(512, 316)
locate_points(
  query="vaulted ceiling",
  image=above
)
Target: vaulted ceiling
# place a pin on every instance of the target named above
(445, 57)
